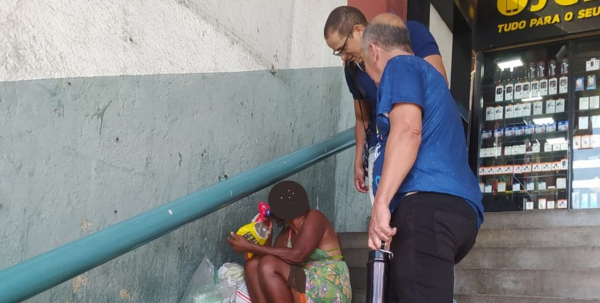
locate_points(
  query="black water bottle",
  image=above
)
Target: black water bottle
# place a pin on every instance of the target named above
(378, 268)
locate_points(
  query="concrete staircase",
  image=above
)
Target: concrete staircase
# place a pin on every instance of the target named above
(520, 257)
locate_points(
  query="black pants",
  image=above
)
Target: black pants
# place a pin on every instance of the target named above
(434, 232)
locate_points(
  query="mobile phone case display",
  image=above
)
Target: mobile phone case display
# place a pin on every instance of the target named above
(585, 190)
(523, 155)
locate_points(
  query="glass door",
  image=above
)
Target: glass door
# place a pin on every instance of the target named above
(585, 187)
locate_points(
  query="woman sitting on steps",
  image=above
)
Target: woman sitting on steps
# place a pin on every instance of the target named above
(305, 264)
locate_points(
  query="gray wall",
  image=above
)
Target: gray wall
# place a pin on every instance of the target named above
(81, 154)
(351, 207)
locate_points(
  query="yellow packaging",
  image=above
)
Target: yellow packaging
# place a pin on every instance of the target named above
(257, 231)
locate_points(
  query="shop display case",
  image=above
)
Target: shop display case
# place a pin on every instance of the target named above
(535, 130)
(524, 110)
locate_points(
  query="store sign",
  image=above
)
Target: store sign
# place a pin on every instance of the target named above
(506, 22)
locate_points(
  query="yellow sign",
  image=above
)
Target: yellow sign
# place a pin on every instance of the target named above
(514, 7)
(511, 7)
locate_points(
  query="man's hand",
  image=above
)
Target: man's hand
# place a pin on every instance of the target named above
(379, 229)
(359, 179)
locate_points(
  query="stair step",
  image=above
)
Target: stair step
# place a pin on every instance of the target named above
(522, 258)
(358, 278)
(359, 296)
(517, 299)
(542, 219)
(587, 236)
(525, 282)
(356, 257)
(353, 240)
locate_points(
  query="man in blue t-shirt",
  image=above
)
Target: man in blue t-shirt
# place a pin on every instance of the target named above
(343, 33)
(427, 200)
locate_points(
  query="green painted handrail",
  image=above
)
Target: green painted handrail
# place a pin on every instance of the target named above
(33, 276)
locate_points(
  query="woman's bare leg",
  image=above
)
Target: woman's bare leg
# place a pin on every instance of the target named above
(252, 282)
(273, 274)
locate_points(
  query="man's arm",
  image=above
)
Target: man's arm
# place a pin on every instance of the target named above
(362, 122)
(400, 155)
(438, 63)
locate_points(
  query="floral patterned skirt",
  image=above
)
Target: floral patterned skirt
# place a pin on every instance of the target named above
(327, 281)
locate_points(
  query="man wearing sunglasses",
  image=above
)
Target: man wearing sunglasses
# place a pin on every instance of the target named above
(343, 34)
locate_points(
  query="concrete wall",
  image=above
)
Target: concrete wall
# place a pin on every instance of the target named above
(111, 108)
(443, 37)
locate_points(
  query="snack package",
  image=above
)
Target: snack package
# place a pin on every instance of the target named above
(259, 229)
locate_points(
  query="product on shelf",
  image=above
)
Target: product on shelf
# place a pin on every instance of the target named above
(584, 103)
(596, 121)
(583, 122)
(560, 105)
(586, 141)
(563, 125)
(538, 108)
(561, 203)
(498, 112)
(561, 183)
(526, 109)
(550, 106)
(576, 142)
(489, 114)
(500, 87)
(518, 109)
(529, 205)
(540, 128)
(552, 82)
(509, 111)
(591, 82)
(592, 64)
(595, 140)
(594, 102)
(579, 86)
(542, 203)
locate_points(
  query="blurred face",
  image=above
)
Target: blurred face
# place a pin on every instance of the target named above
(348, 46)
(373, 63)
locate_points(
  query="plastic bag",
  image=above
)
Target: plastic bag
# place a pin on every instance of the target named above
(241, 294)
(233, 275)
(259, 229)
(206, 287)
(203, 288)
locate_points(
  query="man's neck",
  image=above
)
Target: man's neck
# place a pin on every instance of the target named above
(396, 52)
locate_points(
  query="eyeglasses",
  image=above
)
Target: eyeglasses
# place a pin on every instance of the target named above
(340, 51)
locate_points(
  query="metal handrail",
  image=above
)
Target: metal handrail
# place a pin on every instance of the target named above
(33, 276)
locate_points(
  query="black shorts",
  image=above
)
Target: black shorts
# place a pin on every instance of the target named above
(434, 232)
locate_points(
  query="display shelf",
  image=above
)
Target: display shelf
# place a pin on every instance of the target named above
(538, 136)
(550, 191)
(589, 112)
(524, 100)
(526, 119)
(541, 174)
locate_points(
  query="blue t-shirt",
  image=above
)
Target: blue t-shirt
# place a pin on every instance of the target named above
(442, 162)
(423, 45)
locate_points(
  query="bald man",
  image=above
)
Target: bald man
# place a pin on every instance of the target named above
(427, 200)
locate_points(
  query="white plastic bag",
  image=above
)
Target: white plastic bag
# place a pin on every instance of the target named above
(202, 287)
